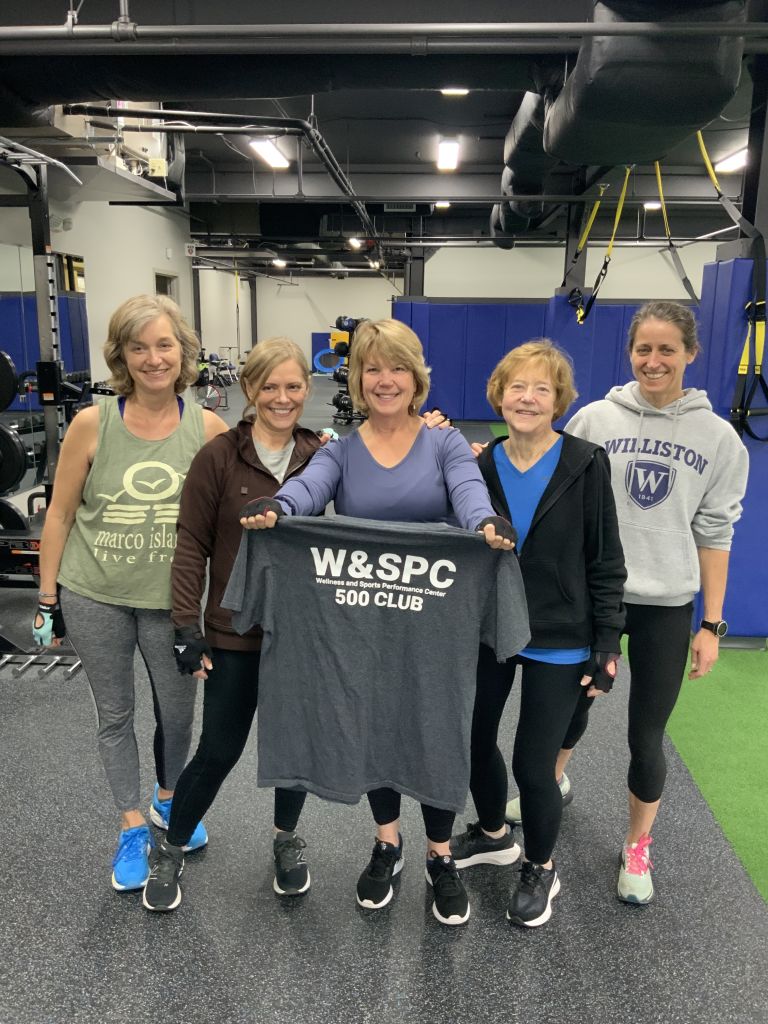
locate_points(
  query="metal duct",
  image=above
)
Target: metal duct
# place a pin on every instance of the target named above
(630, 99)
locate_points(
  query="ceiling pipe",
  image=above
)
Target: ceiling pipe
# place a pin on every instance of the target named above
(240, 121)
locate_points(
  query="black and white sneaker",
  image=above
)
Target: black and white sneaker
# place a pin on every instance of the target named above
(162, 891)
(291, 871)
(531, 903)
(374, 886)
(475, 847)
(451, 905)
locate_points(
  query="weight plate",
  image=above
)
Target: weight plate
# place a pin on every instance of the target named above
(13, 460)
(11, 518)
(9, 382)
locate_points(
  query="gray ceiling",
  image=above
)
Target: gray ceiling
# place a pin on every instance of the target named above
(373, 97)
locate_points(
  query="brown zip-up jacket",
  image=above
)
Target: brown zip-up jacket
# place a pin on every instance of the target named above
(224, 475)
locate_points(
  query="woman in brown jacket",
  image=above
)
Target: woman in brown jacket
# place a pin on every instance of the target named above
(254, 458)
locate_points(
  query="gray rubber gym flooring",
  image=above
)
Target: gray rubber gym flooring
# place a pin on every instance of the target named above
(72, 950)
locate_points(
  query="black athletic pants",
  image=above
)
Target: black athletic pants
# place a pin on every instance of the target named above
(385, 805)
(659, 638)
(230, 696)
(549, 695)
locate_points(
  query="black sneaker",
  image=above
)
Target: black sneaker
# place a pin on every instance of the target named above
(531, 903)
(162, 891)
(475, 847)
(291, 871)
(374, 886)
(451, 904)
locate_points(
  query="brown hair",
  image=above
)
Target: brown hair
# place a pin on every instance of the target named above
(672, 313)
(556, 363)
(126, 324)
(396, 344)
(263, 359)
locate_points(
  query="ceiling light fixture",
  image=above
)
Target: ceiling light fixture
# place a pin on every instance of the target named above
(355, 243)
(374, 264)
(653, 204)
(277, 262)
(269, 153)
(448, 155)
(441, 204)
(735, 162)
(454, 90)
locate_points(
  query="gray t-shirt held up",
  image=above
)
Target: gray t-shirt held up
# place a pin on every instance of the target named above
(371, 635)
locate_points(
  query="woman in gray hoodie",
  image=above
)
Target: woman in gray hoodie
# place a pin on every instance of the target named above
(678, 473)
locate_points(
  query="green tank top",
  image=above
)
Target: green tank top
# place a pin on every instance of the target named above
(121, 544)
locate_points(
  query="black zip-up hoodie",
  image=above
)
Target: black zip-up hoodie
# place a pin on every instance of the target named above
(572, 561)
(225, 474)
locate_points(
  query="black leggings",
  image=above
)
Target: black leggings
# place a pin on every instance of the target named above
(659, 638)
(230, 696)
(548, 698)
(385, 805)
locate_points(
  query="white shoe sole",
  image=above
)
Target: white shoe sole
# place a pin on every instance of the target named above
(127, 888)
(293, 892)
(162, 910)
(369, 904)
(454, 918)
(543, 918)
(499, 858)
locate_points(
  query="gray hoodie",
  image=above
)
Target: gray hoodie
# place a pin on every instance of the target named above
(678, 475)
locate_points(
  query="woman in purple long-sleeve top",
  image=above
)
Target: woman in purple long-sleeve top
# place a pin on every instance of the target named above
(394, 468)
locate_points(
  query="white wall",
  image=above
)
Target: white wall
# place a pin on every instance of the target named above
(535, 273)
(122, 249)
(220, 301)
(314, 304)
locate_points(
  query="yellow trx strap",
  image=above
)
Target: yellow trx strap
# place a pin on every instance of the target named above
(585, 233)
(673, 253)
(725, 202)
(582, 312)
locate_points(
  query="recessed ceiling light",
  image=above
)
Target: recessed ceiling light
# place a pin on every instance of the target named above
(735, 162)
(454, 90)
(448, 155)
(653, 204)
(277, 262)
(374, 264)
(269, 153)
(355, 243)
(441, 204)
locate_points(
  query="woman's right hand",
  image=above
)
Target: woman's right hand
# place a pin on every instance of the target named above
(260, 514)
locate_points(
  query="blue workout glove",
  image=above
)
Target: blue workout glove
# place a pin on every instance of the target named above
(48, 623)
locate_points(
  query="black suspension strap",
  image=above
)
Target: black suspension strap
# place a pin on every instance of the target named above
(582, 311)
(674, 255)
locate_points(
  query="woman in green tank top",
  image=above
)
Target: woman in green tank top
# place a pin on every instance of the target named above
(106, 553)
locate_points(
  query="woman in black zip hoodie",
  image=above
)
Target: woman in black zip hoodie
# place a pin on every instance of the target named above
(556, 488)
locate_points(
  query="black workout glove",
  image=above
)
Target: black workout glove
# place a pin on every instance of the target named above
(47, 624)
(502, 527)
(602, 667)
(189, 646)
(260, 507)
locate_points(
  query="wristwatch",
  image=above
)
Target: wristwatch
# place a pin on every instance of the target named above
(719, 628)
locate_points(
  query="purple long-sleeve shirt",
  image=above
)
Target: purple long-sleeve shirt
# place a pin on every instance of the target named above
(437, 481)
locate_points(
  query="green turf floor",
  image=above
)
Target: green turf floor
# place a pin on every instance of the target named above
(720, 729)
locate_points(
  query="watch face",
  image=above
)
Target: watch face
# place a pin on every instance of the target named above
(721, 628)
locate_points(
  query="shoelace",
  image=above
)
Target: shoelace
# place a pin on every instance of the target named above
(636, 858)
(290, 852)
(474, 831)
(447, 880)
(530, 876)
(134, 845)
(383, 859)
(164, 867)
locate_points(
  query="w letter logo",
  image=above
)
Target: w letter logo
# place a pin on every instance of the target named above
(649, 483)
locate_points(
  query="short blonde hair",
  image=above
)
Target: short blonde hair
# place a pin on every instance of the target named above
(556, 363)
(397, 345)
(263, 358)
(126, 324)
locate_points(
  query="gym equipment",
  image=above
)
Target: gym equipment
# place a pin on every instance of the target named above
(9, 381)
(341, 342)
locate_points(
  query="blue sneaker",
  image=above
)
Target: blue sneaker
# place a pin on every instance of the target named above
(160, 813)
(130, 867)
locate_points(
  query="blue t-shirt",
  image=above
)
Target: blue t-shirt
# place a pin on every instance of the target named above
(523, 491)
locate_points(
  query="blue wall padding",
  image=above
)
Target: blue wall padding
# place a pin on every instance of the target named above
(727, 289)
(19, 335)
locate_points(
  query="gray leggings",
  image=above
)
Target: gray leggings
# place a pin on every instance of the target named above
(105, 637)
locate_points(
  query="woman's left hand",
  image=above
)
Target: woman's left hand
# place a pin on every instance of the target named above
(499, 534)
(705, 649)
